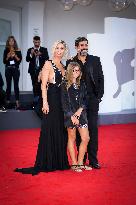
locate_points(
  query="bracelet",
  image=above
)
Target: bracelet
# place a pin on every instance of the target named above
(44, 103)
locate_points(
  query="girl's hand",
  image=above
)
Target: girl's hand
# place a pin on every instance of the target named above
(74, 120)
(45, 108)
(78, 112)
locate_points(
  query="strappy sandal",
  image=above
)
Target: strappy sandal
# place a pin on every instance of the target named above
(85, 167)
(76, 168)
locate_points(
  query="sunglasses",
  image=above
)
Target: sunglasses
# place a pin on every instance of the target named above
(76, 70)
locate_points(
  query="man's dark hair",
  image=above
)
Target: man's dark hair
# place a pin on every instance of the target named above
(36, 38)
(80, 39)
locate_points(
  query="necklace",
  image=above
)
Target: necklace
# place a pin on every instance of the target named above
(75, 86)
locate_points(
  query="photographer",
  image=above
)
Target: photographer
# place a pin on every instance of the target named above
(36, 56)
(12, 58)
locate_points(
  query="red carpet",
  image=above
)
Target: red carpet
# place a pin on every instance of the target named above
(114, 184)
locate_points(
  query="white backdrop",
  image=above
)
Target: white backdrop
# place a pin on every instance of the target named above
(116, 48)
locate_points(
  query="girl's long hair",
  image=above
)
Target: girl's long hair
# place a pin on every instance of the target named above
(69, 74)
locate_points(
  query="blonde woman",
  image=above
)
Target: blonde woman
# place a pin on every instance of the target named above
(74, 106)
(52, 148)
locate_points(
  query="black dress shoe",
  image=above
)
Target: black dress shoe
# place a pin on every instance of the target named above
(95, 166)
(35, 173)
(85, 158)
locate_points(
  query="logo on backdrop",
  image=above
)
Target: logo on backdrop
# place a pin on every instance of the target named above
(124, 68)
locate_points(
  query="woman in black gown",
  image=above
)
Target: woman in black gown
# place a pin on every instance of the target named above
(52, 148)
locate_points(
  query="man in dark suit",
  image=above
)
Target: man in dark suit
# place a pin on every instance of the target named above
(36, 56)
(92, 74)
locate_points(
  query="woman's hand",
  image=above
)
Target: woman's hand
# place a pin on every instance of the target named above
(8, 55)
(45, 108)
(12, 54)
(74, 120)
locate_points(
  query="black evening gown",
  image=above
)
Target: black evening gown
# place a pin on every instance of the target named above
(52, 148)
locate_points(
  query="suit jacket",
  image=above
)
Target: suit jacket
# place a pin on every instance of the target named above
(94, 79)
(32, 61)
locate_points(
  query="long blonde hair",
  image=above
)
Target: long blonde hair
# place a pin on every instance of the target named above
(69, 74)
(66, 52)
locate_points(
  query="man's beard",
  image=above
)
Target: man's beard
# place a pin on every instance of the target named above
(84, 52)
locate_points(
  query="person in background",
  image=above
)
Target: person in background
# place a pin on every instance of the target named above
(74, 99)
(93, 77)
(12, 58)
(2, 95)
(36, 56)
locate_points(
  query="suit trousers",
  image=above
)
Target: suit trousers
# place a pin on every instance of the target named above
(92, 147)
(36, 85)
(93, 131)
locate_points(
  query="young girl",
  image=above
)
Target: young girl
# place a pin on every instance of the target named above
(75, 117)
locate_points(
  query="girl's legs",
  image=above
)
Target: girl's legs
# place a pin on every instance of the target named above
(84, 133)
(71, 143)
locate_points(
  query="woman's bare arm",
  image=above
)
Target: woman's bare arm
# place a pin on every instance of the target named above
(45, 78)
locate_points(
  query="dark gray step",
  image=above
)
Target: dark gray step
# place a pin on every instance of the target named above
(18, 119)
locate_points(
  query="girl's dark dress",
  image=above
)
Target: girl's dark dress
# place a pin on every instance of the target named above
(52, 148)
(72, 100)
